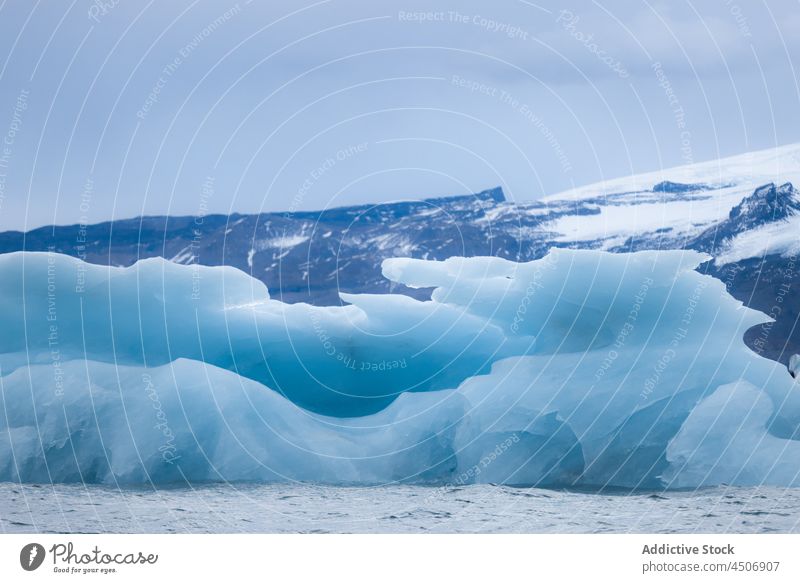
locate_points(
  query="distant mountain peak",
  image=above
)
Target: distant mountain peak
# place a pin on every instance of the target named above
(767, 203)
(496, 194)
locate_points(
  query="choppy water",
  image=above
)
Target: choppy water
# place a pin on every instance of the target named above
(229, 508)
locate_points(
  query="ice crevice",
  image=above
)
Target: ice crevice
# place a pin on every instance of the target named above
(582, 368)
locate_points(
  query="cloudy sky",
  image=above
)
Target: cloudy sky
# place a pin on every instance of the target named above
(116, 108)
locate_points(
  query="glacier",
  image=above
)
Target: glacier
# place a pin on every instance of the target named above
(579, 369)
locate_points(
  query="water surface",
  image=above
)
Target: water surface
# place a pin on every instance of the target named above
(290, 508)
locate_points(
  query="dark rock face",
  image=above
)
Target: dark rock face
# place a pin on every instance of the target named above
(768, 203)
(667, 186)
(312, 256)
(771, 285)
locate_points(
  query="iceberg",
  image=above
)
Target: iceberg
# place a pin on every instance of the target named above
(580, 369)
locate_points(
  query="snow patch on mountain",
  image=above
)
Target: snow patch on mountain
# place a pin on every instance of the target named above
(780, 238)
(185, 256)
(681, 219)
(778, 165)
(283, 242)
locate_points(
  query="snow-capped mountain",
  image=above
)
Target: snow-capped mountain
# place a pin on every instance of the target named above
(745, 171)
(743, 210)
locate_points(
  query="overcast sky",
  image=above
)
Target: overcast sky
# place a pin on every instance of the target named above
(112, 111)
